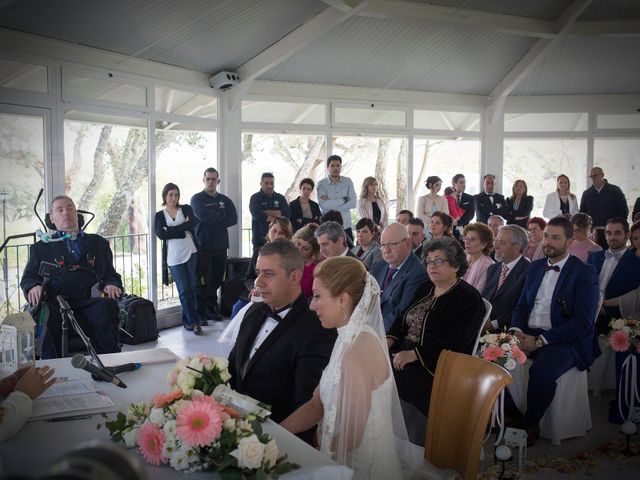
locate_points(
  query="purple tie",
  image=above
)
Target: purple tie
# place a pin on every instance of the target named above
(387, 279)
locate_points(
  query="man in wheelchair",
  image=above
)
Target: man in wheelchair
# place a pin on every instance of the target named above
(79, 261)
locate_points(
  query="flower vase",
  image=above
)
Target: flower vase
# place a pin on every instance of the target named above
(619, 407)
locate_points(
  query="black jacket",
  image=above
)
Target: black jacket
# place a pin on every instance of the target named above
(523, 210)
(164, 233)
(485, 208)
(608, 203)
(503, 301)
(297, 220)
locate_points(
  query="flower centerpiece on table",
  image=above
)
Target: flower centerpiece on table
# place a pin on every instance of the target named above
(624, 335)
(502, 349)
(195, 426)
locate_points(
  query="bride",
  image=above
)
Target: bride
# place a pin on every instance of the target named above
(356, 401)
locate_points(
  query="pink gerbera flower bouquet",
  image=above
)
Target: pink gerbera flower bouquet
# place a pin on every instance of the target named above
(195, 426)
(624, 335)
(502, 349)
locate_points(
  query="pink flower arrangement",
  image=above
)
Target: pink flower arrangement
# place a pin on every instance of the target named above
(151, 443)
(518, 354)
(199, 422)
(619, 341)
(163, 399)
(624, 335)
(493, 353)
(501, 349)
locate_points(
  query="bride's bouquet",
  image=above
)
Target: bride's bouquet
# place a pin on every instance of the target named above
(624, 335)
(202, 424)
(502, 349)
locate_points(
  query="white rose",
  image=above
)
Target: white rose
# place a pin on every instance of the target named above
(196, 364)
(491, 338)
(179, 459)
(271, 453)
(510, 364)
(130, 437)
(186, 382)
(225, 376)
(221, 363)
(156, 416)
(208, 364)
(229, 424)
(249, 452)
(506, 347)
(244, 425)
(618, 324)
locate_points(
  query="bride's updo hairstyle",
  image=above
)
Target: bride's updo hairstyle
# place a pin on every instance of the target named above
(342, 274)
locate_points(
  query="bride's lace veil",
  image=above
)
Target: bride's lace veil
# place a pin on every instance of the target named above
(361, 366)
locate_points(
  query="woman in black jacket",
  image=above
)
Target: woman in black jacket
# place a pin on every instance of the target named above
(303, 209)
(519, 205)
(175, 225)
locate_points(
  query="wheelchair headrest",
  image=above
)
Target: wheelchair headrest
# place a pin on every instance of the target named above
(50, 225)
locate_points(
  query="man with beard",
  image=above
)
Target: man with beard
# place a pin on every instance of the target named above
(554, 320)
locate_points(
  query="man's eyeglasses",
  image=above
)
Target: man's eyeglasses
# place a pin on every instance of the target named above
(391, 244)
(438, 262)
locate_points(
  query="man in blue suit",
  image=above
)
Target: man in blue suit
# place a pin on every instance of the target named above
(554, 319)
(618, 269)
(400, 273)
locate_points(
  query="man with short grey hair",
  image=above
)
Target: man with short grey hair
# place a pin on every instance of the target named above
(603, 200)
(332, 241)
(506, 277)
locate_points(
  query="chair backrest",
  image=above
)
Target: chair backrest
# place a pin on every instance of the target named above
(487, 311)
(464, 391)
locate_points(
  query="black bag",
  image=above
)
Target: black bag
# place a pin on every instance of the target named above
(138, 320)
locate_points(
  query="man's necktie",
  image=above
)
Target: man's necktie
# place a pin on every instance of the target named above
(555, 268)
(503, 276)
(387, 279)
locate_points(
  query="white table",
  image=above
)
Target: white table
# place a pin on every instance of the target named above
(41, 443)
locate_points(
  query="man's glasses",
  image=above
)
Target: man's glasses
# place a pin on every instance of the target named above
(391, 244)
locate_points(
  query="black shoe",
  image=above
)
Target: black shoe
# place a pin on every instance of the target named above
(197, 329)
(188, 328)
(204, 322)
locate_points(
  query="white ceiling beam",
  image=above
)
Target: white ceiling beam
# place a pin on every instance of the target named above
(611, 28)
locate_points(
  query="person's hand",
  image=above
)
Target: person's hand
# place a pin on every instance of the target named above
(35, 381)
(401, 359)
(527, 343)
(488, 326)
(112, 291)
(34, 295)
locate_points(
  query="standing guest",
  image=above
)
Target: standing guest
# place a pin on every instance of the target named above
(618, 269)
(265, 206)
(332, 240)
(582, 245)
(309, 250)
(281, 347)
(417, 237)
(404, 216)
(431, 202)
(536, 227)
(478, 243)
(465, 201)
(367, 250)
(488, 202)
(554, 321)
(447, 317)
(455, 211)
(561, 202)
(400, 275)
(602, 200)
(519, 205)
(370, 204)
(175, 226)
(511, 265)
(440, 226)
(303, 209)
(336, 192)
(216, 213)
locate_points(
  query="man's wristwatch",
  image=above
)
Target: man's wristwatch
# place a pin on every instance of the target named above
(539, 342)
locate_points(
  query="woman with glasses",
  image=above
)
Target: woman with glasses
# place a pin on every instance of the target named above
(370, 204)
(478, 243)
(448, 317)
(431, 202)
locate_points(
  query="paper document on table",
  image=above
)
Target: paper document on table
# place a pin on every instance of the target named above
(150, 356)
(69, 397)
(70, 387)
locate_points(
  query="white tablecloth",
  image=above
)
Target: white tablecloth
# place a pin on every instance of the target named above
(40, 443)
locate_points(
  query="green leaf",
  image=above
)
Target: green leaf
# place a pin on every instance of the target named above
(257, 427)
(260, 475)
(230, 474)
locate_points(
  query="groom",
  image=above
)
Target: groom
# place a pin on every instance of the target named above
(281, 347)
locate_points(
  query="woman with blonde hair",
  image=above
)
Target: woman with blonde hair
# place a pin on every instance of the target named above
(370, 204)
(561, 202)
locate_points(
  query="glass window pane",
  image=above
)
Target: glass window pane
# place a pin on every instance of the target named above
(283, 112)
(629, 120)
(620, 160)
(169, 100)
(539, 161)
(373, 116)
(439, 120)
(546, 122)
(289, 157)
(23, 76)
(102, 88)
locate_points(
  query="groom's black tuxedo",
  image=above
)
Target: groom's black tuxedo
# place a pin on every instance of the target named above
(287, 367)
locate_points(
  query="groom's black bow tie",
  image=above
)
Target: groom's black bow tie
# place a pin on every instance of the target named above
(275, 314)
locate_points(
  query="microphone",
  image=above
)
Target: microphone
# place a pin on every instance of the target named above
(127, 367)
(78, 361)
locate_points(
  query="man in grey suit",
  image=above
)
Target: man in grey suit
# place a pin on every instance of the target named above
(506, 277)
(400, 273)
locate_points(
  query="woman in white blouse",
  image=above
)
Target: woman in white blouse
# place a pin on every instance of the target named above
(561, 202)
(175, 225)
(370, 204)
(431, 202)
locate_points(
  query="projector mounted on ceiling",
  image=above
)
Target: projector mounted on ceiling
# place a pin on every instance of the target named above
(224, 80)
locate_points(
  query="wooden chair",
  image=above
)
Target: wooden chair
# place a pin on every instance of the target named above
(464, 391)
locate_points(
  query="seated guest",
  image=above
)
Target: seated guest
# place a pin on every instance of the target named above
(597, 236)
(440, 226)
(519, 204)
(400, 275)
(582, 245)
(512, 265)
(534, 250)
(446, 317)
(336, 216)
(370, 204)
(478, 243)
(554, 320)
(367, 250)
(332, 240)
(83, 260)
(281, 347)
(18, 392)
(561, 202)
(416, 235)
(495, 222)
(634, 231)
(303, 209)
(404, 216)
(618, 269)
(309, 250)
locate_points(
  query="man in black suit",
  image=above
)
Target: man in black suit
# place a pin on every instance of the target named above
(415, 227)
(281, 347)
(506, 277)
(489, 203)
(465, 201)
